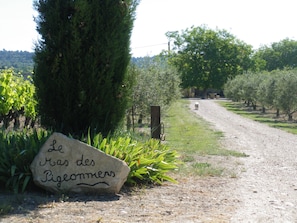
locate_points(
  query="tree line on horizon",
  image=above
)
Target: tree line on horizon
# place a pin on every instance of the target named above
(20, 61)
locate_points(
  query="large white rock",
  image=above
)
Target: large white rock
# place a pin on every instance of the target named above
(68, 165)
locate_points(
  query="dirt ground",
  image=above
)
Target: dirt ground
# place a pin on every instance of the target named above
(259, 188)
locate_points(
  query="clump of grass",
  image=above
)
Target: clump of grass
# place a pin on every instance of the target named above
(187, 158)
(206, 169)
(233, 175)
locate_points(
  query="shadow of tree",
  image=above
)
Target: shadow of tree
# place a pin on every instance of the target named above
(22, 204)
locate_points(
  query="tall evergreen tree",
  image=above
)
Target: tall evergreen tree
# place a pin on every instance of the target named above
(81, 62)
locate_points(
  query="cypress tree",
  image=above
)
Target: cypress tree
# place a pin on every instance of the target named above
(81, 63)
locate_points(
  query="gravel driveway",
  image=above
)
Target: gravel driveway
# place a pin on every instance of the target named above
(267, 188)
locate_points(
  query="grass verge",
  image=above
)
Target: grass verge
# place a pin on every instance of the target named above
(192, 137)
(267, 118)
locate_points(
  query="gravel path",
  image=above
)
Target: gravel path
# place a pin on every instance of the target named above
(267, 188)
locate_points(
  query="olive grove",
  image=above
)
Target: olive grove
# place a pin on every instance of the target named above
(275, 90)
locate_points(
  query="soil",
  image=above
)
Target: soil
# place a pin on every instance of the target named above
(261, 187)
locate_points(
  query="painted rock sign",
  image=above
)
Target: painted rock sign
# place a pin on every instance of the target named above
(68, 165)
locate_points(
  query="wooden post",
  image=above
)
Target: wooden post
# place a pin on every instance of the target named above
(156, 122)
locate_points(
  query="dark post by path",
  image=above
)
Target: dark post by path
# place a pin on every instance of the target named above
(155, 122)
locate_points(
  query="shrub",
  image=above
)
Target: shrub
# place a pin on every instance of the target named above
(149, 161)
(17, 151)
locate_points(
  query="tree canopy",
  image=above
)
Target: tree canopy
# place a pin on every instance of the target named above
(206, 58)
(276, 89)
(81, 62)
(157, 83)
(278, 55)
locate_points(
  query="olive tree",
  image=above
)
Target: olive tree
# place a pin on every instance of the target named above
(157, 84)
(286, 93)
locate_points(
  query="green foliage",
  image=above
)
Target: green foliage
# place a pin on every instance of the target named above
(157, 83)
(17, 151)
(266, 91)
(278, 55)
(149, 161)
(5, 209)
(17, 97)
(207, 58)
(232, 88)
(286, 96)
(275, 90)
(81, 63)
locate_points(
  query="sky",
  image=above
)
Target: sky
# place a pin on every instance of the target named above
(256, 22)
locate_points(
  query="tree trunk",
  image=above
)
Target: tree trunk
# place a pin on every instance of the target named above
(290, 117)
(204, 94)
(277, 113)
(129, 122)
(254, 106)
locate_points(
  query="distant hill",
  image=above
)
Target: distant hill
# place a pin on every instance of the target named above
(141, 61)
(21, 61)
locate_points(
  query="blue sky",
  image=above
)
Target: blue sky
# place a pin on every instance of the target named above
(256, 22)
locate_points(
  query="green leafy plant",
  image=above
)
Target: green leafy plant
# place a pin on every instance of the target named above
(17, 151)
(5, 208)
(149, 161)
(17, 98)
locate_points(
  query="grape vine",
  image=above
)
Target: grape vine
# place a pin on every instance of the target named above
(17, 99)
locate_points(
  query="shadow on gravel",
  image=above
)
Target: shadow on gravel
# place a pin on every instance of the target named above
(22, 204)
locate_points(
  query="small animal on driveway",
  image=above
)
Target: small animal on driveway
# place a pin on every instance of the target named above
(196, 106)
